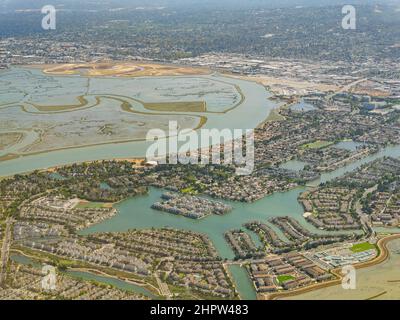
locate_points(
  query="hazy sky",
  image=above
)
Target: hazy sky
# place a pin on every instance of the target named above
(105, 4)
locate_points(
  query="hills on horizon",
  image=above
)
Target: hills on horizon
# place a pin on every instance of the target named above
(11, 5)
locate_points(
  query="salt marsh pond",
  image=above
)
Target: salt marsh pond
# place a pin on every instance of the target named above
(58, 120)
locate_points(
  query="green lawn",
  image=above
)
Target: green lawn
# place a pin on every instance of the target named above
(360, 247)
(319, 144)
(90, 205)
(189, 190)
(284, 278)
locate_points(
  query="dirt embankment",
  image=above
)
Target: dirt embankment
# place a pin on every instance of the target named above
(383, 254)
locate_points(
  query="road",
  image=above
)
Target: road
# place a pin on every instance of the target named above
(5, 250)
(346, 88)
(352, 84)
(163, 288)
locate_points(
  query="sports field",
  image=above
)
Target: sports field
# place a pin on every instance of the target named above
(360, 247)
(319, 144)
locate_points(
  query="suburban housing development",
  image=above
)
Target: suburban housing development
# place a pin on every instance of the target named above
(86, 214)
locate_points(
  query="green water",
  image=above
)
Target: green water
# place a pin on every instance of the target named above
(105, 186)
(25, 261)
(255, 107)
(56, 176)
(302, 106)
(243, 282)
(390, 151)
(256, 239)
(295, 165)
(117, 283)
(348, 145)
(136, 213)
(120, 284)
(298, 165)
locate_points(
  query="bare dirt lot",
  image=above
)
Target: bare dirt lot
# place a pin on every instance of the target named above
(123, 69)
(280, 86)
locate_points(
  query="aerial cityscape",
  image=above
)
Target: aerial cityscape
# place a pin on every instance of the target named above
(199, 150)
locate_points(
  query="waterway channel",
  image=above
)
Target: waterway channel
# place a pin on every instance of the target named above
(135, 213)
(117, 283)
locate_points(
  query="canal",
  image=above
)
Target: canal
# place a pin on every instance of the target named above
(117, 283)
(136, 213)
